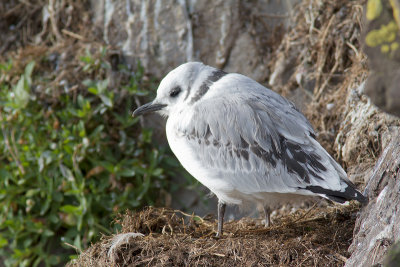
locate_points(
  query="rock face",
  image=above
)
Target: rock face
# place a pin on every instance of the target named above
(162, 34)
(377, 228)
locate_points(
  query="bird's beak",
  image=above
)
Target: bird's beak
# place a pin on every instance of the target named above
(147, 108)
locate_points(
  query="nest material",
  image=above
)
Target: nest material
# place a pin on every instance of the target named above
(313, 237)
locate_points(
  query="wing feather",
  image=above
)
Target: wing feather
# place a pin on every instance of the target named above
(259, 142)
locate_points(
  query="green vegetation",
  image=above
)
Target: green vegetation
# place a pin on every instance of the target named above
(69, 163)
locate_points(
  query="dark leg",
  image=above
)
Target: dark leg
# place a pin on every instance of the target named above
(221, 213)
(267, 211)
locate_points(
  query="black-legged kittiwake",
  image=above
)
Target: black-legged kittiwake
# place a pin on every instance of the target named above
(243, 141)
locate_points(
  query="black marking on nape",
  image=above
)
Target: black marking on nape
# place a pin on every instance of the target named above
(313, 135)
(215, 76)
(350, 193)
(297, 160)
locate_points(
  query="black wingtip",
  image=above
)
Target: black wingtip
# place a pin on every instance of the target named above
(361, 198)
(350, 193)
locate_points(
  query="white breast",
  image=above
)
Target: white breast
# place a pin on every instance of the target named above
(191, 162)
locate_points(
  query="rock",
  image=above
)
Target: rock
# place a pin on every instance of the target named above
(159, 33)
(233, 34)
(377, 227)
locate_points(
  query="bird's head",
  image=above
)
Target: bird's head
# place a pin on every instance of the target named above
(183, 86)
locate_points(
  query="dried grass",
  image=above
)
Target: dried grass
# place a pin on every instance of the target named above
(315, 237)
(324, 47)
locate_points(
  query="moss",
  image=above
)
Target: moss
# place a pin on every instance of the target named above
(374, 9)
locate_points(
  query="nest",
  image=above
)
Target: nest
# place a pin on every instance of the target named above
(313, 237)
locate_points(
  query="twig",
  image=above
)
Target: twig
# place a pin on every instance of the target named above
(53, 21)
(338, 53)
(189, 215)
(322, 88)
(274, 16)
(353, 48)
(73, 35)
(72, 246)
(340, 257)
(320, 59)
(305, 214)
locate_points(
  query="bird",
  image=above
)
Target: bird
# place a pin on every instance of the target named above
(243, 141)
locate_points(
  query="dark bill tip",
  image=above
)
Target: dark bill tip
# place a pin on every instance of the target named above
(147, 108)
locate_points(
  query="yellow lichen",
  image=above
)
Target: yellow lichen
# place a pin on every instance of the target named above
(372, 39)
(392, 26)
(394, 46)
(385, 34)
(396, 11)
(374, 9)
(385, 48)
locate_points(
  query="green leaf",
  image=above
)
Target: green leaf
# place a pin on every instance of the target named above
(21, 94)
(76, 210)
(106, 100)
(54, 260)
(89, 83)
(32, 192)
(127, 172)
(28, 72)
(93, 90)
(157, 172)
(96, 131)
(48, 232)
(3, 242)
(102, 86)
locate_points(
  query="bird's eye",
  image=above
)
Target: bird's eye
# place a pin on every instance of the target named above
(174, 92)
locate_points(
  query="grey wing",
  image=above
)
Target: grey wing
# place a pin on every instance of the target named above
(262, 143)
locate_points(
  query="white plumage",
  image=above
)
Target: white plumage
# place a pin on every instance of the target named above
(243, 141)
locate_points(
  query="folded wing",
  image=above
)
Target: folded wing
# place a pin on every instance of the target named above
(262, 143)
